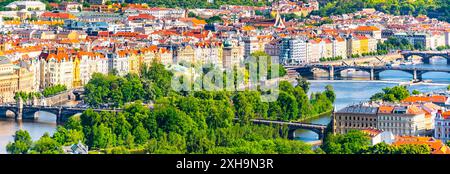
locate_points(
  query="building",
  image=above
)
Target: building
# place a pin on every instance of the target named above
(371, 31)
(379, 136)
(118, 62)
(251, 45)
(293, 51)
(56, 68)
(70, 7)
(78, 148)
(436, 146)
(357, 117)
(442, 126)
(339, 47)
(27, 5)
(415, 39)
(86, 64)
(353, 46)
(439, 100)
(185, 54)
(273, 48)
(13, 78)
(415, 119)
(98, 2)
(402, 120)
(233, 54)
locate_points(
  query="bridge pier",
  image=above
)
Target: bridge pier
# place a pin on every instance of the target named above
(331, 72)
(291, 134)
(3, 113)
(19, 112)
(426, 60)
(417, 76)
(372, 74)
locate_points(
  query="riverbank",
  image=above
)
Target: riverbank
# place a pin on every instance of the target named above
(370, 59)
(328, 112)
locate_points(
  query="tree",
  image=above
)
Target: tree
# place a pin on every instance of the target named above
(68, 137)
(102, 136)
(192, 14)
(377, 96)
(74, 123)
(243, 107)
(354, 142)
(381, 148)
(414, 149)
(415, 92)
(394, 94)
(329, 92)
(22, 143)
(289, 106)
(141, 134)
(52, 90)
(214, 19)
(160, 77)
(46, 145)
(303, 83)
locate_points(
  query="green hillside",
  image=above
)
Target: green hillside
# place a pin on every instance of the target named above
(439, 9)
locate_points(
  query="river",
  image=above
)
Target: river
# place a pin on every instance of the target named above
(359, 89)
(45, 122)
(348, 91)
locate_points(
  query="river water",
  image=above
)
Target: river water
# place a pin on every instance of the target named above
(358, 87)
(350, 90)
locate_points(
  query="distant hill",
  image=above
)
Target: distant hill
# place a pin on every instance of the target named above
(199, 3)
(439, 9)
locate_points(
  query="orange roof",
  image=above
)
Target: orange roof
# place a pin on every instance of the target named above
(126, 34)
(367, 28)
(446, 114)
(372, 132)
(57, 15)
(196, 21)
(435, 99)
(141, 16)
(437, 147)
(361, 37)
(413, 109)
(58, 56)
(385, 109)
(248, 28)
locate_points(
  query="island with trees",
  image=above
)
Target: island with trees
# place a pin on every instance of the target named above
(180, 122)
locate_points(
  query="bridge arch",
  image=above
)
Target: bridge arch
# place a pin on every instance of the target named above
(437, 57)
(3, 112)
(338, 71)
(445, 75)
(396, 70)
(292, 130)
(426, 57)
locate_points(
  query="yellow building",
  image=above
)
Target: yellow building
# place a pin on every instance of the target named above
(71, 35)
(186, 53)
(353, 46)
(13, 79)
(134, 62)
(364, 44)
(76, 73)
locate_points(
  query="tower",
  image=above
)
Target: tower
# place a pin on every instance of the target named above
(279, 23)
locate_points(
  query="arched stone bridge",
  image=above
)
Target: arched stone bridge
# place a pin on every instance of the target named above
(319, 129)
(28, 111)
(427, 55)
(374, 71)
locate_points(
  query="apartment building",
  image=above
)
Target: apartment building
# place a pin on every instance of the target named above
(293, 51)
